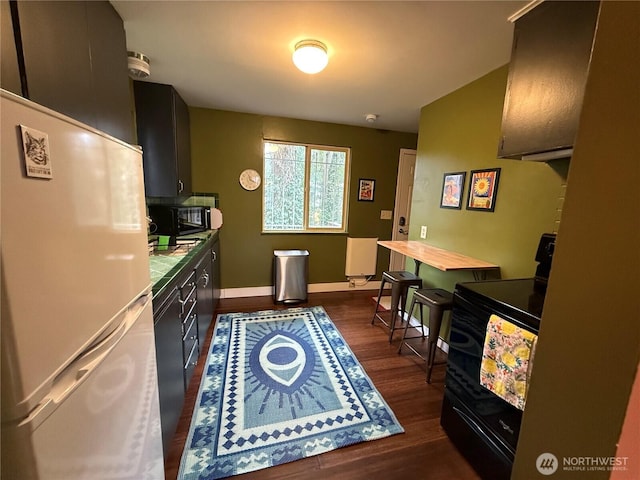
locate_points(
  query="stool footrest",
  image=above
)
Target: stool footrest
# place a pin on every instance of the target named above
(410, 347)
(400, 282)
(438, 301)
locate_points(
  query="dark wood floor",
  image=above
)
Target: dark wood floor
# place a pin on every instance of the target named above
(422, 452)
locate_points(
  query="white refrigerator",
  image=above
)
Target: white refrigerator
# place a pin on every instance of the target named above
(79, 380)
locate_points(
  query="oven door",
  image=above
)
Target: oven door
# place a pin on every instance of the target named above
(499, 419)
(476, 443)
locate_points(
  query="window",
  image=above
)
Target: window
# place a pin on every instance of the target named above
(305, 188)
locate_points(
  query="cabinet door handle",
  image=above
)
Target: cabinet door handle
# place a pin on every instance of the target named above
(180, 186)
(206, 279)
(189, 299)
(214, 256)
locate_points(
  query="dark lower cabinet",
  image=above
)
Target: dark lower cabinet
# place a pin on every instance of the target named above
(208, 274)
(204, 274)
(215, 253)
(189, 317)
(182, 317)
(168, 332)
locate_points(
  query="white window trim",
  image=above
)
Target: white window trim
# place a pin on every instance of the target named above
(307, 166)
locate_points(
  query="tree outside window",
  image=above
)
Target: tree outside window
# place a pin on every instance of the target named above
(305, 188)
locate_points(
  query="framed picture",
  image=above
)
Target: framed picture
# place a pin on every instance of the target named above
(452, 189)
(35, 146)
(366, 189)
(483, 188)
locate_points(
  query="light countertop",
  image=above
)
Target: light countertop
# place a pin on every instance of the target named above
(164, 267)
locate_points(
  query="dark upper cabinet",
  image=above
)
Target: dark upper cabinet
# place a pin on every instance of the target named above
(57, 57)
(10, 74)
(75, 61)
(547, 75)
(162, 118)
(110, 74)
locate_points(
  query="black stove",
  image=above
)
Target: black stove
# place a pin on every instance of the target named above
(519, 298)
(483, 426)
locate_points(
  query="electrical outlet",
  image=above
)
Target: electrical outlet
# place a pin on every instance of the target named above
(423, 231)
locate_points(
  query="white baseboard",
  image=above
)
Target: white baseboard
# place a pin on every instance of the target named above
(311, 288)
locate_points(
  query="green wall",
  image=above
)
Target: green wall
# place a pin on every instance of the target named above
(225, 143)
(460, 132)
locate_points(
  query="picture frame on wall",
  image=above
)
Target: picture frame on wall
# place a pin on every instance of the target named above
(366, 189)
(483, 189)
(452, 190)
(37, 157)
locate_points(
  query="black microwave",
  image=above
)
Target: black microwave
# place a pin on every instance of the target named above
(175, 220)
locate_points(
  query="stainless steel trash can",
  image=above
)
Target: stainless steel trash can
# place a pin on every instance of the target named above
(290, 273)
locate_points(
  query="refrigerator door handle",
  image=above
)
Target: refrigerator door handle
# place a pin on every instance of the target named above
(84, 364)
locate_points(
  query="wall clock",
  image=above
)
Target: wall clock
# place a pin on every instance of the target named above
(249, 179)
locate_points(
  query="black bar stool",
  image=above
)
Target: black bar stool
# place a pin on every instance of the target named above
(438, 301)
(400, 283)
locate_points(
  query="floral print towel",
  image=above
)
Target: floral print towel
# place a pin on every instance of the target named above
(506, 360)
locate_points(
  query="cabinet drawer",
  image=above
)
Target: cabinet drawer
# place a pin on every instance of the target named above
(188, 294)
(190, 330)
(188, 309)
(190, 350)
(190, 347)
(192, 353)
(189, 368)
(188, 286)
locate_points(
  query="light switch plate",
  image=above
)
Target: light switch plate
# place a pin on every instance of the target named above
(423, 231)
(386, 214)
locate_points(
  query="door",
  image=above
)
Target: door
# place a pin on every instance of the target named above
(402, 207)
(105, 425)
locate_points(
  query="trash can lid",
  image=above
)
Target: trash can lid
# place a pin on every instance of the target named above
(290, 253)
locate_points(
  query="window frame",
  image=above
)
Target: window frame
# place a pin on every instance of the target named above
(307, 177)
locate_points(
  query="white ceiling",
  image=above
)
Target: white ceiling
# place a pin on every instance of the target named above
(389, 58)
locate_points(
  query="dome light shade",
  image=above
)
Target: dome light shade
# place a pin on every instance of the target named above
(310, 56)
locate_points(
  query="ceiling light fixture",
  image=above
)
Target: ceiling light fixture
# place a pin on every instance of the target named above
(371, 117)
(310, 56)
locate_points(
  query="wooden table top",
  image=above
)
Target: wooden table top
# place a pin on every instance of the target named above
(436, 257)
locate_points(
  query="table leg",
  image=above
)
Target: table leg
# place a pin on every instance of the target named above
(435, 321)
(479, 275)
(417, 269)
(396, 298)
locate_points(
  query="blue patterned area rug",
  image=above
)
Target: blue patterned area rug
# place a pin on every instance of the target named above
(278, 386)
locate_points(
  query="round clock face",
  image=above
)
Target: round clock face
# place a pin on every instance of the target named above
(250, 179)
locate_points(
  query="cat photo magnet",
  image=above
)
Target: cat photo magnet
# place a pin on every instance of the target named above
(37, 158)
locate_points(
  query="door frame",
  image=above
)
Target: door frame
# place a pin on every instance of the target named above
(406, 172)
